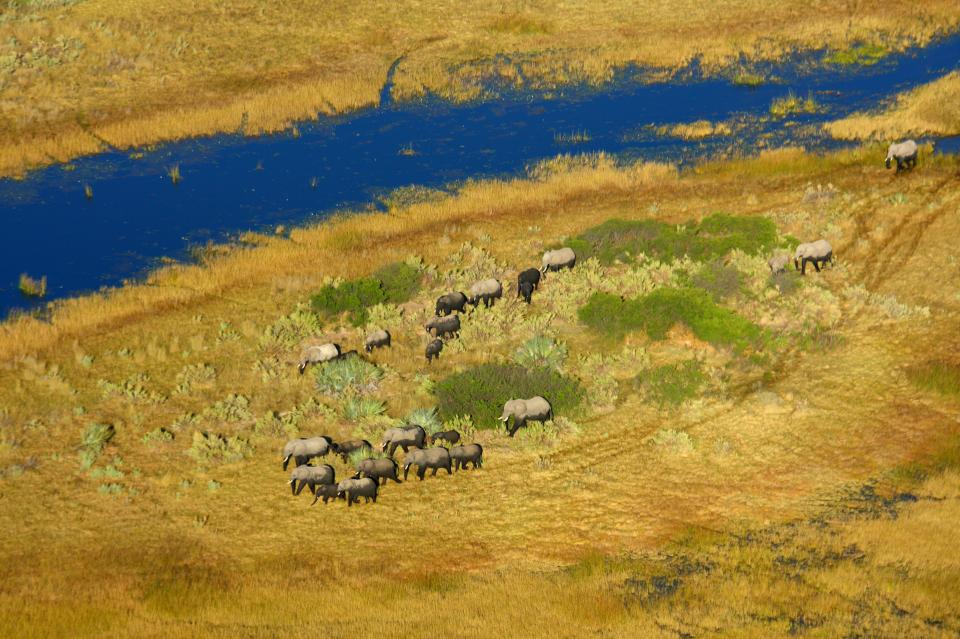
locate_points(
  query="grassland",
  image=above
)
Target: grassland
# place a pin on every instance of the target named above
(931, 109)
(76, 76)
(142, 492)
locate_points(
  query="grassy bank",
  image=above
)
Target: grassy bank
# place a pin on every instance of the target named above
(931, 109)
(141, 485)
(77, 75)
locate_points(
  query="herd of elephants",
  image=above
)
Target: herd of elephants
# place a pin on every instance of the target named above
(446, 452)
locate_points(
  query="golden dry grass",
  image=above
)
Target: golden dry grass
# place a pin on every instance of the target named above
(170, 556)
(77, 75)
(931, 109)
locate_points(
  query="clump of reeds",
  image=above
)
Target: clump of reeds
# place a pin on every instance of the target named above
(32, 287)
(574, 137)
(88, 191)
(792, 103)
(174, 173)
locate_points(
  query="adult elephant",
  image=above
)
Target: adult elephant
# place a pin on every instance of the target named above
(536, 409)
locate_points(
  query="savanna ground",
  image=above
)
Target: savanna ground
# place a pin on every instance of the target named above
(77, 76)
(782, 461)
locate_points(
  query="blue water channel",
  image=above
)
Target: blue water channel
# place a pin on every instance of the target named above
(232, 183)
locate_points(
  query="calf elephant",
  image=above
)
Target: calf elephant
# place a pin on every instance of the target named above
(535, 409)
(435, 458)
(449, 436)
(325, 492)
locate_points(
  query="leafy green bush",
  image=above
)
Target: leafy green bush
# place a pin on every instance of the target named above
(356, 409)
(673, 384)
(425, 417)
(711, 238)
(541, 351)
(481, 391)
(93, 441)
(347, 374)
(717, 279)
(660, 310)
(394, 283)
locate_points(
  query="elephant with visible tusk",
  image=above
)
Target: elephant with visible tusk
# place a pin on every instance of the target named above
(306, 448)
(377, 339)
(905, 153)
(435, 458)
(536, 409)
(558, 259)
(486, 291)
(311, 476)
(318, 355)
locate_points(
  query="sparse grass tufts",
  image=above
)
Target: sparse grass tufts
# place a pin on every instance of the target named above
(938, 377)
(158, 436)
(481, 391)
(232, 408)
(541, 352)
(660, 310)
(214, 448)
(356, 409)
(719, 280)
(394, 283)
(32, 287)
(174, 173)
(673, 441)
(673, 384)
(744, 78)
(94, 439)
(786, 282)
(711, 238)
(864, 55)
(425, 417)
(347, 375)
(792, 104)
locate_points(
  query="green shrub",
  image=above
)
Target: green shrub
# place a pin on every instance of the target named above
(541, 351)
(232, 408)
(711, 238)
(481, 391)
(93, 441)
(674, 441)
(939, 377)
(158, 435)
(394, 283)
(673, 384)
(660, 310)
(717, 279)
(347, 374)
(357, 409)
(213, 448)
(425, 417)
(864, 54)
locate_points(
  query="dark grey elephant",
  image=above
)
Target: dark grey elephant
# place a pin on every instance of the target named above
(344, 449)
(406, 438)
(451, 437)
(353, 489)
(450, 302)
(311, 476)
(469, 454)
(443, 326)
(433, 350)
(379, 469)
(304, 449)
(325, 492)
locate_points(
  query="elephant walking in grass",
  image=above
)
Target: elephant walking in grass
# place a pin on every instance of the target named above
(377, 339)
(325, 492)
(449, 436)
(535, 409)
(311, 476)
(559, 259)
(778, 262)
(435, 458)
(344, 449)
(318, 355)
(905, 154)
(304, 449)
(819, 253)
(443, 326)
(353, 489)
(469, 454)
(486, 291)
(527, 282)
(449, 303)
(378, 469)
(406, 438)
(433, 349)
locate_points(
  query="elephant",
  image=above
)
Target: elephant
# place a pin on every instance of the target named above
(311, 476)
(462, 455)
(558, 259)
(819, 253)
(379, 469)
(433, 350)
(345, 448)
(406, 438)
(376, 339)
(535, 409)
(306, 448)
(450, 302)
(449, 436)
(353, 489)
(778, 262)
(318, 355)
(905, 153)
(435, 458)
(443, 326)
(485, 291)
(527, 282)
(326, 492)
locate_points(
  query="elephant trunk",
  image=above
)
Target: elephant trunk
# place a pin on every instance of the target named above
(293, 487)
(286, 460)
